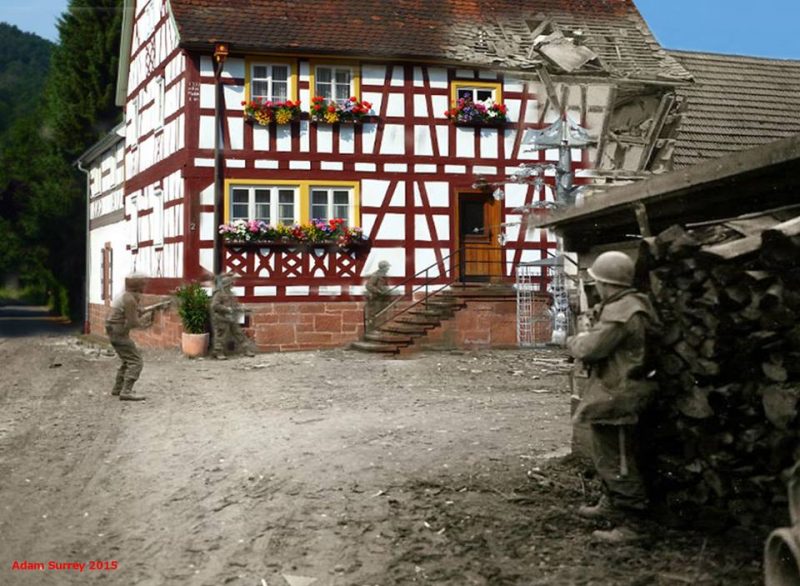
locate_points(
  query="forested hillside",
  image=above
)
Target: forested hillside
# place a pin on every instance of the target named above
(24, 60)
(42, 193)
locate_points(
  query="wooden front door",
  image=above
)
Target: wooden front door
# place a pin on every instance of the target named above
(478, 228)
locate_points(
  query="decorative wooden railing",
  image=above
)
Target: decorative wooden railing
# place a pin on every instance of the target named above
(286, 263)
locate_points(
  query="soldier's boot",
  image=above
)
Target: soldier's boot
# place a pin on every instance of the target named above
(618, 535)
(118, 383)
(602, 510)
(127, 392)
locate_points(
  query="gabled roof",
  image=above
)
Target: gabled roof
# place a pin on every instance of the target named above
(736, 103)
(497, 33)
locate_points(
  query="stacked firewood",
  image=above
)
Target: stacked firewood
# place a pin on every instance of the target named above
(724, 425)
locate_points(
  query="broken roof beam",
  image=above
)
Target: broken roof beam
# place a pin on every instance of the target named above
(749, 245)
(689, 181)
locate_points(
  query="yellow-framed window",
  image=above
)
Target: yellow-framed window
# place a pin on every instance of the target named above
(288, 202)
(269, 79)
(477, 91)
(336, 81)
(273, 204)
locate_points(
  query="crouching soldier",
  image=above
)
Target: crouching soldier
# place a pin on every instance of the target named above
(225, 312)
(377, 295)
(617, 390)
(126, 315)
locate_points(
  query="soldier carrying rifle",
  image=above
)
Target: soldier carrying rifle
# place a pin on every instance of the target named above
(126, 315)
(618, 391)
(225, 312)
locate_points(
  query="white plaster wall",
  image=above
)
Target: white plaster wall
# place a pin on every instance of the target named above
(396, 257)
(394, 140)
(423, 144)
(465, 142)
(392, 228)
(120, 263)
(421, 106)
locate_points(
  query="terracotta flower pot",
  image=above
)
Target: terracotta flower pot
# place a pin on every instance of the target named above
(194, 345)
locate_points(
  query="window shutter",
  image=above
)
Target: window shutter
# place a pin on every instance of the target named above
(157, 221)
(103, 269)
(133, 226)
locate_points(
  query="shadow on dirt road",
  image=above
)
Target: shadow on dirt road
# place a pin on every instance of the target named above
(18, 321)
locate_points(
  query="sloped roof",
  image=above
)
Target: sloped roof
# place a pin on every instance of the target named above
(499, 33)
(736, 103)
(749, 181)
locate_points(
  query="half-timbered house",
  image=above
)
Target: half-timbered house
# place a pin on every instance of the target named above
(388, 152)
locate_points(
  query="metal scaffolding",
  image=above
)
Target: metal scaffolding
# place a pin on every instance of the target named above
(537, 328)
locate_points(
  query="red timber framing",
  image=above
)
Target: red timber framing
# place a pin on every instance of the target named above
(305, 163)
(410, 216)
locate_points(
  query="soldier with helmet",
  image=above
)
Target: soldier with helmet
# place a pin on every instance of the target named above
(617, 391)
(377, 294)
(126, 315)
(225, 312)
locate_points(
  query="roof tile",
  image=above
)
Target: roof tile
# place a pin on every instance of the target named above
(496, 33)
(736, 103)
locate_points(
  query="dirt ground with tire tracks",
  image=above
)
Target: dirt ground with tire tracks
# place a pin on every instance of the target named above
(344, 468)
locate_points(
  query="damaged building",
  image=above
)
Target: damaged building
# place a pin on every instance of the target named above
(201, 148)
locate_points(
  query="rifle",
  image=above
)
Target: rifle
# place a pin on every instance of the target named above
(155, 307)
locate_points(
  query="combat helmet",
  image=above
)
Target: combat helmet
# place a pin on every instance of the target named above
(614, 268)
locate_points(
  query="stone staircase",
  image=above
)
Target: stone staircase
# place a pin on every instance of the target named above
(400, 333)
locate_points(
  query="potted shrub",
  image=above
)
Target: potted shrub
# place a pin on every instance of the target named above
(193, 309)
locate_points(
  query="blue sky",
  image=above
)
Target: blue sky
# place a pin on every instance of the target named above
(767, 29)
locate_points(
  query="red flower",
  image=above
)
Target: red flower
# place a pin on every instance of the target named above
(331, 108)
(353, 99)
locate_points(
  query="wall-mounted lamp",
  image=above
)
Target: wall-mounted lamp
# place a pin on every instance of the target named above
(220, 52)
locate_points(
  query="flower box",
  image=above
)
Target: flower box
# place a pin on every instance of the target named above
(465, 112)
(482, 124)
(316, 234)
(325, 245)
(267, 112)
(352, 111)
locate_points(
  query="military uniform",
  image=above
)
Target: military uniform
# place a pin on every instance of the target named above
(617, 391)
(377, 299)
(225, 310)
(123, 318)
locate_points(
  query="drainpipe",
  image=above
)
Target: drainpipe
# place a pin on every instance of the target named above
(88, 253)
(220, 53)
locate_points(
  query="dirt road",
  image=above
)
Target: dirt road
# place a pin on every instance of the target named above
(325, 468)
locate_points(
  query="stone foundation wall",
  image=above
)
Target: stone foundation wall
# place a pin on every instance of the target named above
(273, 326)
(278, 327)
(485, 323)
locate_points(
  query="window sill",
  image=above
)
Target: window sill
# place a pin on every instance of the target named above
(500, 124)
(364, 120)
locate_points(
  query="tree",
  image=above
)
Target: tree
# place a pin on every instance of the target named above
(82, 80)
(24, 61)
(43, 193)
